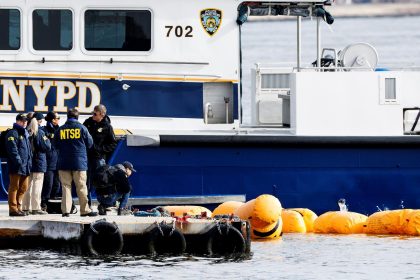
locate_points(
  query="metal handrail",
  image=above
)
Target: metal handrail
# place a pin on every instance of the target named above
(111, 60)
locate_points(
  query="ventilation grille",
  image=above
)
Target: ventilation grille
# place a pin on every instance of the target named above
(274, 81)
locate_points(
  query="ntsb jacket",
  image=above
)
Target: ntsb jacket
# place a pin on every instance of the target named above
(41, 145)
(52, 155)
(19, 152)
(72, 140)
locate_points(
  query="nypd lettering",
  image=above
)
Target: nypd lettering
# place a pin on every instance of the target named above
(14, 92)
(70, 133)
(211, 19)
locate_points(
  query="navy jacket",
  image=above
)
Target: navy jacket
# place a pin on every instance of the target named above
(72, 140)
(41, 145)
(19, 153)
(104, 141)
(52, 155)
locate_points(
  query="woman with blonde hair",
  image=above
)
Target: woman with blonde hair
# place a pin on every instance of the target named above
(40, 144)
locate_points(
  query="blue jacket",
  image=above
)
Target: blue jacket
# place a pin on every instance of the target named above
(19, 152)
(41, 145)
(72, 140)
(52, 155)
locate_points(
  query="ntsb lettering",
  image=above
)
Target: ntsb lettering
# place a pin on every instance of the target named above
(70, 133)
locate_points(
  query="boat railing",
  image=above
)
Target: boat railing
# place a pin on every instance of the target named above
(283, 68)
(349, 69)
(110, 60)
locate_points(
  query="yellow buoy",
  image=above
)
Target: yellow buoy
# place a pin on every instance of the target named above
(413, 226)
(293, 222)
(308, 216)
(227, 208)
(342, 222)
(264, 216)
(388, 222)
(180, 210)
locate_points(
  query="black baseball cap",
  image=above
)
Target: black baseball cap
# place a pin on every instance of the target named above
(22, 117)
(129, 165)
(38, 116)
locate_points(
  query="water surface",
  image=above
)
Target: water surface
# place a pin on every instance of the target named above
(296, 256)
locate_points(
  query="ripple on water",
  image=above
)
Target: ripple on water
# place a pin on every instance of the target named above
(296, 256)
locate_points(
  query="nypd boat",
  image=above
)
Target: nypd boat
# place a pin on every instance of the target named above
(170, 73)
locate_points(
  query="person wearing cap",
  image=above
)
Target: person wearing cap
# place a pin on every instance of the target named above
(40, 144)
(104, 141)
(114, 188)
(51, 186)
(19, 162)
(72, 140)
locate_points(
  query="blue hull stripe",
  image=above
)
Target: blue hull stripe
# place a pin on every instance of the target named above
(143, 98)
(312, 177)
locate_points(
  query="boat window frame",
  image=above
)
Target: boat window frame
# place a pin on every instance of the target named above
(382, 89)
(6, 52)
(115, 53)
(31, 33)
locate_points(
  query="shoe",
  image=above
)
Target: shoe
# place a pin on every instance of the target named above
(124, 212)
(38, 212)
(65, 215)
(26, 212)
(16, 214)
(101, 210)
(90, 214)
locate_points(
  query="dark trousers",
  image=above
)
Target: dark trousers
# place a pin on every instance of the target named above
(110, 199)
(51, 187)
(93, 164)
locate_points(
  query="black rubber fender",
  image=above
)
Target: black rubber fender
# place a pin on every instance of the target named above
(164, 239)
(103, 238)
(224, 239)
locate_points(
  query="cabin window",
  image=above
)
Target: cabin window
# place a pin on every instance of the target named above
(52, 30)
(118, 30)
(9, 29)
(390, 89)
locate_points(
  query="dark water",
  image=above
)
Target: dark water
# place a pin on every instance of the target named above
(296, 256)
(397, 41)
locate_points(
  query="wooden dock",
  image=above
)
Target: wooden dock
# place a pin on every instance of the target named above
(137, 235)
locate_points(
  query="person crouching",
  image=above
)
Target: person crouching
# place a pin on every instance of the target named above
(112, 185)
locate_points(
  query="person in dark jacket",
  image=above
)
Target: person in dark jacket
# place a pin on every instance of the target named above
(72, 141)
(51, 186)
(104, 141)
(117, 188)
(19, 161)
(40, 144)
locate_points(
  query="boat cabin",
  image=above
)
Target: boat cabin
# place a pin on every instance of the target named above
(175, 66)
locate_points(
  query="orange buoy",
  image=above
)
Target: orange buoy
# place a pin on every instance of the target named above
(413, 226)
(342, 222)
(180, 210)
(309, 217)
(264, 215)
(389, 222)
(227, 208)
(293, 222)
